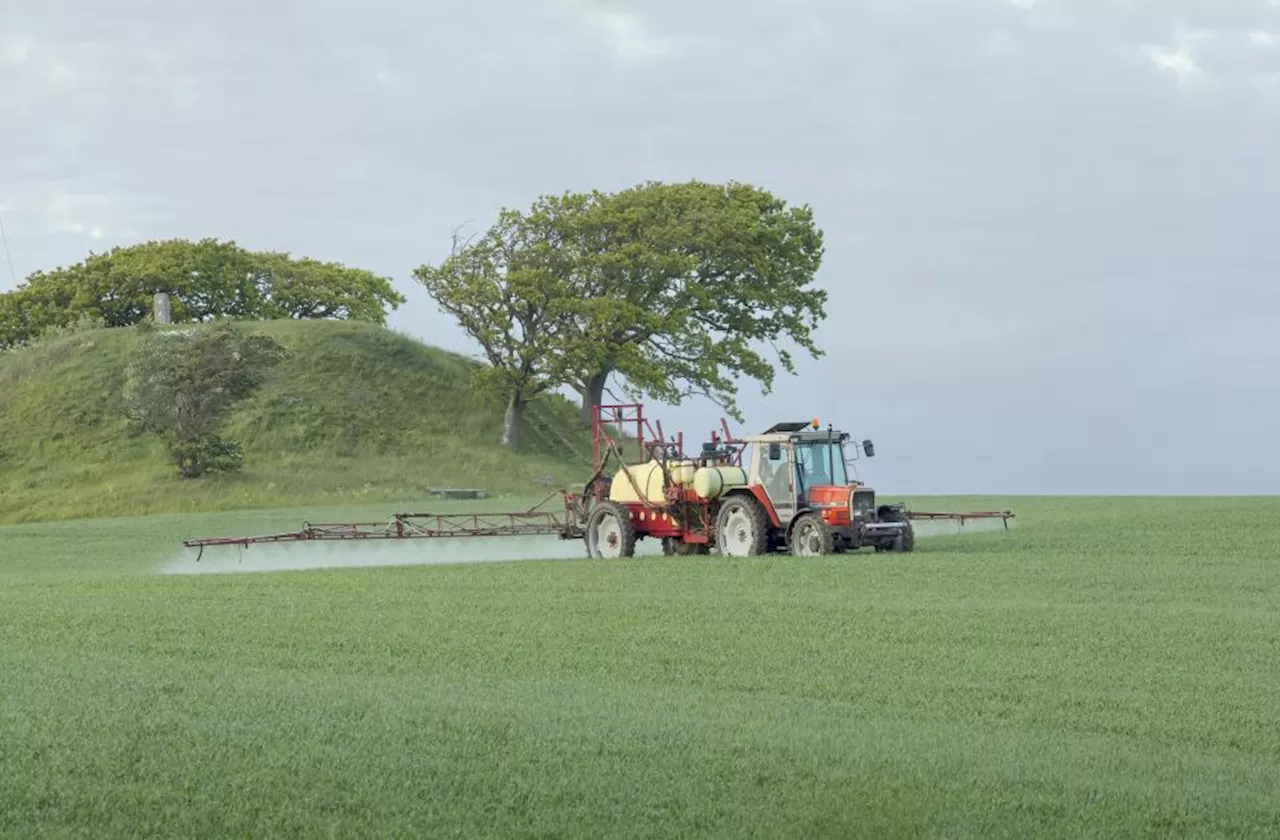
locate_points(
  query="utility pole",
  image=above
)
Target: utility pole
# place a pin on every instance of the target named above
(4, 238)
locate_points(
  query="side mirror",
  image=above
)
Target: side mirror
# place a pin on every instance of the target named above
(869, 448)
(775, 452)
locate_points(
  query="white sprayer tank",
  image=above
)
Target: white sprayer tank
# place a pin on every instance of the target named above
(710, 482)
(645, 482)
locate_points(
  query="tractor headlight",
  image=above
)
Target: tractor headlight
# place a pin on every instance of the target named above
(862, 504)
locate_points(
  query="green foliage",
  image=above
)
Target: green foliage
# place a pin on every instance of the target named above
(674, 287)
(508, 290)
(356, 413)
(682, 283)
(207, 279)
(83, 323)
(181, 384)
(1104, 671)
(308, 288)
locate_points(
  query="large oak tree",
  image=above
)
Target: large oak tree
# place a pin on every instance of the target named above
(677, 289)
(686, 285)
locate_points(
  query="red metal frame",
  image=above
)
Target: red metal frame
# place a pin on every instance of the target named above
(622, 416)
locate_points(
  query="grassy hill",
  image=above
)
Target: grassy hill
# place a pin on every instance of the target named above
(358, 414)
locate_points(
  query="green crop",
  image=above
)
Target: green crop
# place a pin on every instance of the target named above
(1109, 668)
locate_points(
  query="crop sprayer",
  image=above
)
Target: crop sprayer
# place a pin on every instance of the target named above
(797, 494)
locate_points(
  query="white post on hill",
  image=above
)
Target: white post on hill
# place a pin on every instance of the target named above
(163, 308)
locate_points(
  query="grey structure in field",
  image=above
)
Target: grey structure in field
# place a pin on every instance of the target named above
(163, 309)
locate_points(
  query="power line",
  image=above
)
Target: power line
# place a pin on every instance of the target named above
(8, 255)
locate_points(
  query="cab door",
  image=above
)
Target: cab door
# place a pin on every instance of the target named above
(776, 473)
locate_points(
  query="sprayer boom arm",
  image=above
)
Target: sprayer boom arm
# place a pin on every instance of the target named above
(1004, 515)
(403, 526)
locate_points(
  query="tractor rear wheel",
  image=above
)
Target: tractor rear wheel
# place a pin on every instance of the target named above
(811, 537)
(610, 533)
(742, 530)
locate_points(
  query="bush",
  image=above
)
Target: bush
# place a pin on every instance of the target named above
(181, 384)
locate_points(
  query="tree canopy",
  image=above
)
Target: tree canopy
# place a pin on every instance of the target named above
(181, 384)
(508, 290)
(206, 279)
(677, 289)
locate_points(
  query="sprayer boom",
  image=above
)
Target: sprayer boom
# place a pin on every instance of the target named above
(962, 518)
(404, 526)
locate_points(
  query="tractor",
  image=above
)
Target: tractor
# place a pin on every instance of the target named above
(796, 495)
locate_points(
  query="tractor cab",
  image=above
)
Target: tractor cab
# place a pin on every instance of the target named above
(798, 464)
(804, 469)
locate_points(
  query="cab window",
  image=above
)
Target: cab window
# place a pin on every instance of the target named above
(820, 464)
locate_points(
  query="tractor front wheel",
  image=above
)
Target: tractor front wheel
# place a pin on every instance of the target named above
(610, 533)
(741, 528)
(811, 537)
(907, 540)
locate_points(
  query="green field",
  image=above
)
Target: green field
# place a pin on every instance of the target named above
(1109, 668)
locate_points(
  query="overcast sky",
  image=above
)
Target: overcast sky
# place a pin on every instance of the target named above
(1052, 241)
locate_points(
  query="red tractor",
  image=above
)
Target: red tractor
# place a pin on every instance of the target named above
(795, 495)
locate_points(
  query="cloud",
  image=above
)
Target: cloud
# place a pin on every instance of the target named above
(15, 49)
(1179, 58)
(1179, 62)
(39, 63)
(624, 30)
(1214, 55)
(67, 211)
(373, 65)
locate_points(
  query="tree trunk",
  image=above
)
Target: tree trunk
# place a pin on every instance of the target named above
(511, 423)
(593, 395)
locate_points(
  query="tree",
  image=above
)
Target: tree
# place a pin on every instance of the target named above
(181, 383)
(306, 288)
(206, 279)
(682, 282)
(507, 289)
(671, 287)
(15, 322)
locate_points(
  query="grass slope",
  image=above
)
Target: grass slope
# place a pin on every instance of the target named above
(359, 414)
(1108, 669)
